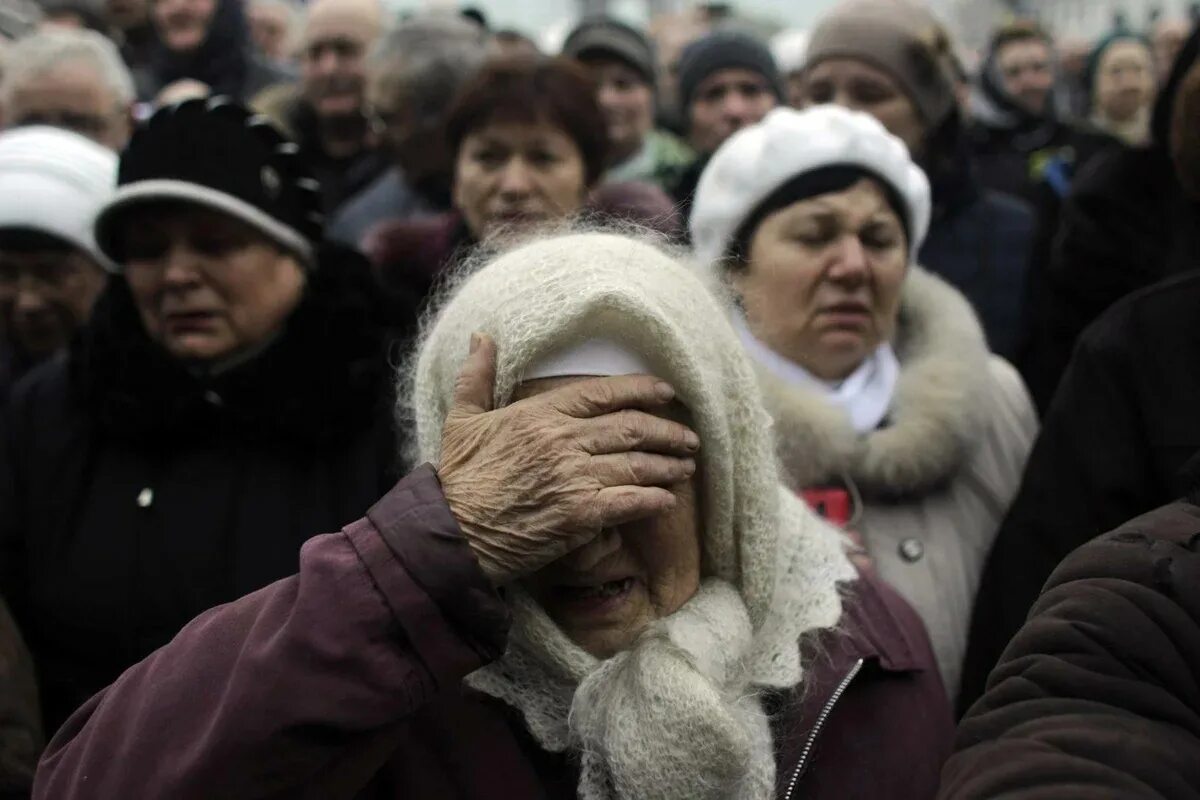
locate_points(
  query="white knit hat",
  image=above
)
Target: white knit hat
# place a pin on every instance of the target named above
(786, 144)
(54, 182)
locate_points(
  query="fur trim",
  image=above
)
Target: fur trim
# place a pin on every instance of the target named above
(938, 410)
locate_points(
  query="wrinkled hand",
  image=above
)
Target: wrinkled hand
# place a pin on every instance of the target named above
(537, 479)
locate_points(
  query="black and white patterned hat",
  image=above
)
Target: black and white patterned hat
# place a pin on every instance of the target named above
(214, 153)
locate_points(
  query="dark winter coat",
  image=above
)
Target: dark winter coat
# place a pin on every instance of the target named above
(1098, 694)
(226, 61)
(137, 495)
(1126, 224)
(389, 198)
(340, 178)
(980, 242)
(1113, 445)
(366, 650)
(21, 738)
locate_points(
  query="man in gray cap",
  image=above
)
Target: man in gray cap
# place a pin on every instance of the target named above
(623, 63)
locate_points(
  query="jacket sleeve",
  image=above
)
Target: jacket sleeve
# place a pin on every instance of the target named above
(274, 693)
(1088, 473)
(1097, 696)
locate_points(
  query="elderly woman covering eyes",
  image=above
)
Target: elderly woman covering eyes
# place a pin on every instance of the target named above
(595, 587)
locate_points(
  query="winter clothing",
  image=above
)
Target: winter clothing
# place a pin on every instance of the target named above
(758, 160)
(1017, 152)
(902, 39)
(138, 493)
(341, 178)
(725, 50)
(1113, 446)
(226, 61)
(661, 161)
(21, 738)
(1128, 223)
(933, 482)
(1096, 695)
(398, 603)
(214, 153)
(981, 243)
(54, 181)
(388, 198)
(606, 37)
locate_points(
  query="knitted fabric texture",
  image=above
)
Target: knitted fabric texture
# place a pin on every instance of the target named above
(757, 160)
(771, 567)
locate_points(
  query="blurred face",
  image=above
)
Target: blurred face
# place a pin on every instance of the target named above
(822, 285)
(207, 286)
(183, 24)
(46, 295)
(627, 102)
(514, 176)
(724, 103)
(269, 26)
(854, 84)
(1027, 70)
(126, 14)
(70, 96)
(1125, 81)
(332, 66)
(607, 592)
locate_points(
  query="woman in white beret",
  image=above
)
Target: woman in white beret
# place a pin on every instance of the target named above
(596, 587)
(891, 417)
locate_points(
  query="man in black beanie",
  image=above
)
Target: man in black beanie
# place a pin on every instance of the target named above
(727, 81)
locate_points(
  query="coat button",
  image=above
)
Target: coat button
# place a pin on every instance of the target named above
(911, 550)
(145, 498)
(212, 398)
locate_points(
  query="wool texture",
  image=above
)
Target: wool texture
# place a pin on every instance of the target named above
(677, 715)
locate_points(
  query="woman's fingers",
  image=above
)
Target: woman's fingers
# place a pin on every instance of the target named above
(620, 505)
(594, 398)
(640, 469)
(628, 430)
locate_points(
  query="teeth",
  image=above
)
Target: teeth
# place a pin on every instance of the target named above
(610, 589)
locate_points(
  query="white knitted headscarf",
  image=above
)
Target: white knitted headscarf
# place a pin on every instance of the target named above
(678, 715)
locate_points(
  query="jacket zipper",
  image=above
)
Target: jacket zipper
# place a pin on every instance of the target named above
(820, 723)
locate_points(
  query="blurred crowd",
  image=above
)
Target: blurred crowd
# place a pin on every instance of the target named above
(268, 268)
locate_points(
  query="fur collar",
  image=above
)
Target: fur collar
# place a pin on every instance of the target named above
(938, 410)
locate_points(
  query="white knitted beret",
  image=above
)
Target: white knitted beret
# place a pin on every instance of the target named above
(54, 181)
(757, 160)
(566, 290)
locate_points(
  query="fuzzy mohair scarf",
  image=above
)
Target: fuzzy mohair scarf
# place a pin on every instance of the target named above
(678, 715)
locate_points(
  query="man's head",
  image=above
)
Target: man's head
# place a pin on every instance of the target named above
(272, 26)
(337, 38)
(70, 79)
(52, 182)
(1167, 39)
(1024, 62)
(413, 74)
(727, 81)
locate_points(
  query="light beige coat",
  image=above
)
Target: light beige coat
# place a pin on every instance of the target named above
(935, 480)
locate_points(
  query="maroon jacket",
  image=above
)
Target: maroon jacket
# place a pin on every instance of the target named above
(345, 681)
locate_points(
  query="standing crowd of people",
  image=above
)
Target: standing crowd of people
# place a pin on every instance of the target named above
(393, 406)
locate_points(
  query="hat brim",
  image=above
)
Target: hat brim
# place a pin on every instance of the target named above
(144, 193)
(54, 209)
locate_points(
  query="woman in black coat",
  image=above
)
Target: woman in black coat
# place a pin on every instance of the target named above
(234, 376)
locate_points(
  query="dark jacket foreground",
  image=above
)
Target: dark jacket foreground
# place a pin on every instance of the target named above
(1113, 446)
(1099, 694)
(137, 495)
(345, 682)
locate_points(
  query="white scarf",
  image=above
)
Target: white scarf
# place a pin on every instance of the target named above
(678, 715)
(865, 396)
